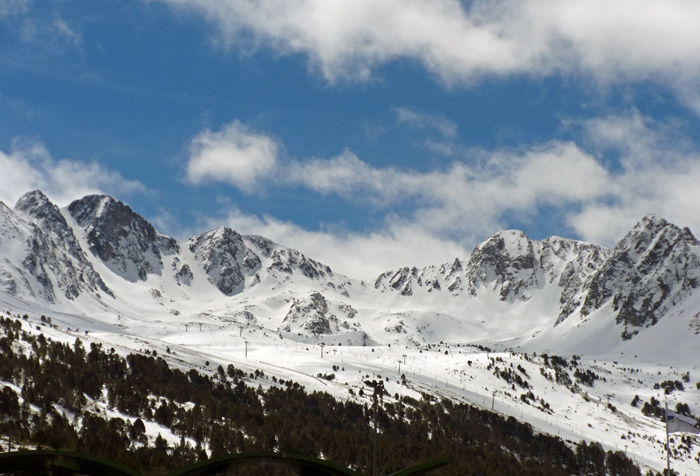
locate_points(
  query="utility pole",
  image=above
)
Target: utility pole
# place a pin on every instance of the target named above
(246, 349)
(322, 346)
(493, 399)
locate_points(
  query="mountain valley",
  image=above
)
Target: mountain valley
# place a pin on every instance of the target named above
(572, 338)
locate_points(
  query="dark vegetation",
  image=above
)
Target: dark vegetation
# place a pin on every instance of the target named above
(669, 386)
(229, 412)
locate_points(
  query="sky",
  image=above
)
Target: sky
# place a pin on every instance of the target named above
(369, 135)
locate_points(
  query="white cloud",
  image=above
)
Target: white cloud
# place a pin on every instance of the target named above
(463, 202)
(235, 155)
(358, 255)
(625, 40)
(420, 119)
(345, 175)
(658, 172)
(446, 129)
(51, 33)
(60, 29)
(29, 166)
(622, 168)
(10, 8)
(443, 148)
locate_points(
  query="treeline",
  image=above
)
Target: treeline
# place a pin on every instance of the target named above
(228, 413)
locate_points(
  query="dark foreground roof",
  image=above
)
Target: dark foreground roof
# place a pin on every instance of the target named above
(54, 462)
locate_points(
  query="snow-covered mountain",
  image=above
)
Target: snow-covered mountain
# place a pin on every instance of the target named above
(121, 239)
(654, 268)
(41, 257)
(630, 315)
(98, 254)
(508, 264)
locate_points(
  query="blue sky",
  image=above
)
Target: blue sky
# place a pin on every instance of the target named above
(367, 134)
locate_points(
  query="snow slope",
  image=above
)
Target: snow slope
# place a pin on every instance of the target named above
(630, 314)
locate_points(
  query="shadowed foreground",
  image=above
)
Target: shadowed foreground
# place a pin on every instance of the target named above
(260, 463)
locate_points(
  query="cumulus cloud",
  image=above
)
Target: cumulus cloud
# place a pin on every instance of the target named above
(658, 172)
(625, 40)
(622, 168)
(236, 155)
(463, 201)
(29, 165)
(346, 175)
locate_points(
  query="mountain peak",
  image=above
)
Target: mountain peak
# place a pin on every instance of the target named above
(44, 213)
(47, 251)
(35, 204)
(32, 200)
(225, 258)
(652, 231)
(91, 207)
(651, 223)
(653, 268)
(53, 261)
(508, 244)
(223, 233)
(121, 238)
(653, 218)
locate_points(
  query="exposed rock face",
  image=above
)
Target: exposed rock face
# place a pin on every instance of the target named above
(225, 258)
(508, 263)
(19, 271)
(312, 315)
(289, 260)
(37, 207)
(53, 255)
(654, 267)
(399, 280)
(121, 238)
(51, 260)
(184, 275)
(588, 259)
(261, 245)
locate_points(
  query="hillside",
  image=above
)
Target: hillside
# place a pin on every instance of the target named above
(561, 334)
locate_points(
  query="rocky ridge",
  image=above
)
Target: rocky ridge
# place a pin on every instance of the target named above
(655, 267)
(51, 261)
(122, 239)
(648, 274)
(224, 257)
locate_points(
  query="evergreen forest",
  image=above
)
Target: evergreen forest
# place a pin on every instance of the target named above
(53, 395)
